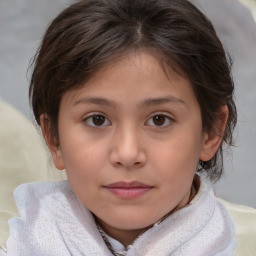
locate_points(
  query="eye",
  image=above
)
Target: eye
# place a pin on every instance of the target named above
(159, 121)
(97, 121)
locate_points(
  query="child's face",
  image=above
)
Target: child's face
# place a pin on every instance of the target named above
(130, 141)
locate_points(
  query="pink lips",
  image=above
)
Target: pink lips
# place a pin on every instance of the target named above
(128, 190)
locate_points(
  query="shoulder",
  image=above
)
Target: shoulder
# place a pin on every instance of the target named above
(31, 196)
(2, 252)
(41, 188)
(36, 194)
(244, 219)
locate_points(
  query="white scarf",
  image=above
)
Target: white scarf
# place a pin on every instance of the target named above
(54, 222)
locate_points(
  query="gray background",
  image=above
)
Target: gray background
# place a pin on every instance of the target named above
(22, 23)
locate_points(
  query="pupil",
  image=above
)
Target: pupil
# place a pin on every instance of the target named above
(98, 120)
(159, 120)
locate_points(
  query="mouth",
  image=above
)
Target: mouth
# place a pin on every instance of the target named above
(128, 190)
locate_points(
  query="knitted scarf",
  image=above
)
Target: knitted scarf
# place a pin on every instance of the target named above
(54, 222)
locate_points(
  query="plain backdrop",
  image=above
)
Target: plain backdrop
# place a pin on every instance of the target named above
(22, 23)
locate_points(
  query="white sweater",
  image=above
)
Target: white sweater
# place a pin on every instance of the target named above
(56, 223)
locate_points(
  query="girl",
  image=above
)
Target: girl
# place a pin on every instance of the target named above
(135, 99)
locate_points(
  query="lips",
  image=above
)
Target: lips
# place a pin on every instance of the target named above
(128, 190)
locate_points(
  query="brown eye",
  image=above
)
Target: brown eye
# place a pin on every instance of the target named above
(159, 120)
(97, 121)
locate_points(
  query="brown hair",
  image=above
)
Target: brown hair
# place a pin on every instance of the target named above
(89, 33)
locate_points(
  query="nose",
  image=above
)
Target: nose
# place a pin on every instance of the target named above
(127, 149)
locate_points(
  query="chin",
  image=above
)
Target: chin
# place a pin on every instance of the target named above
(131, 222)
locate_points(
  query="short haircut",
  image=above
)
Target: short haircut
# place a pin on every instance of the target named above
(89, 33)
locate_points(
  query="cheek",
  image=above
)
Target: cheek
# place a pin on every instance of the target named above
(83, 159)
(179, 151)
(177, 158)
(84, 171)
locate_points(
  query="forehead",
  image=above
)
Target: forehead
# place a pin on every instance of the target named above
(148, 62)
(134, 77)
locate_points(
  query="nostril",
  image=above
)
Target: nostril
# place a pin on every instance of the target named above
(118, 164)
(136, 164)
(128, 159)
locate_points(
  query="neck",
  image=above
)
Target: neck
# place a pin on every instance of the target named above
(125, 237)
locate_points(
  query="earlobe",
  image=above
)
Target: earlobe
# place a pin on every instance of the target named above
(212, 140)
(51, 142)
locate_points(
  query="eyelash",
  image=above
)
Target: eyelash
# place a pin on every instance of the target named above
(101, 118)
(167, 119)
(89, 120)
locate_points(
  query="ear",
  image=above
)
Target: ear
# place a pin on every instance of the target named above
(212, 140)
(52, 142)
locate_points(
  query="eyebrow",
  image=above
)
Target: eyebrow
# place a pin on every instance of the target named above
(96, 101)
(146, 103)
(162, 100)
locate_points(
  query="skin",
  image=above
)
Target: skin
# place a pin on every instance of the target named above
(131, 144)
